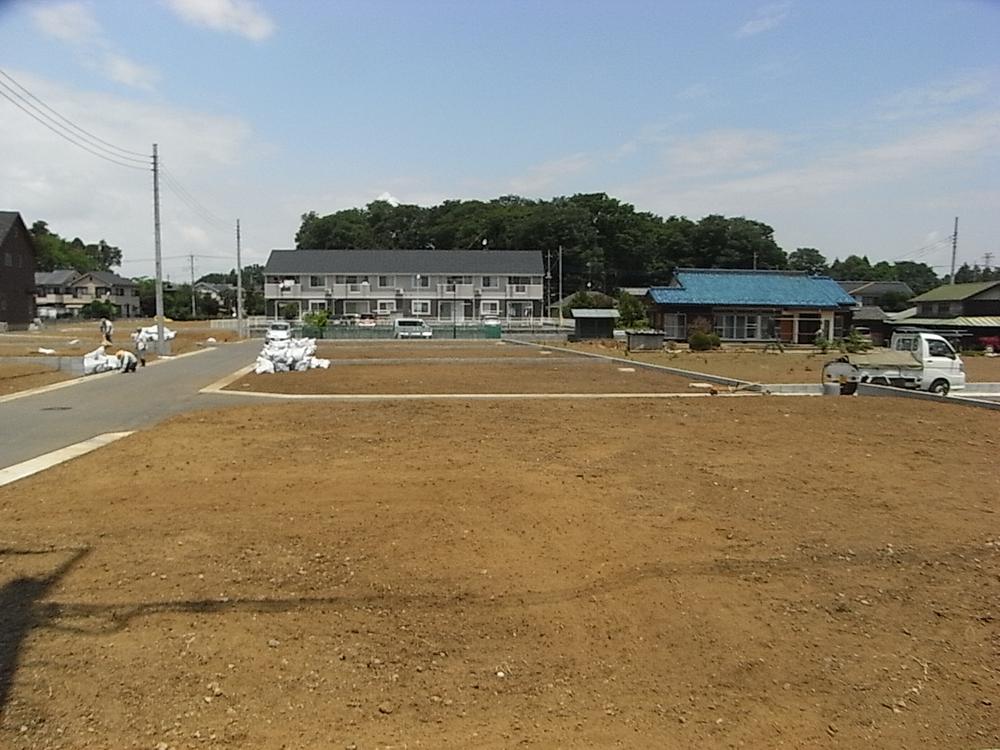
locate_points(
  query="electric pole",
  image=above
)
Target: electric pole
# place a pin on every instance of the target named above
(239, 285)
(987, 261)
(548, 283)
(159, 260)
(954, 250)
(194, 309)
(560, 301)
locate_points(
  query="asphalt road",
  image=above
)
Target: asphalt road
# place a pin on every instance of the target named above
(33, 425)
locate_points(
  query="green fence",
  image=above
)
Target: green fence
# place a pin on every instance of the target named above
(362, 333)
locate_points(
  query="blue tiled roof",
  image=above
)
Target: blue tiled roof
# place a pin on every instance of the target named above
(758, 288)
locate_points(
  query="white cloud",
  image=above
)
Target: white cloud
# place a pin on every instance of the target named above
(388, 197)
(765, 18)
(543, 176)
(938, 97)
(74, 22)
(243, 17)
(123, 70)
(721, 151)
(70, 21)
(80, 195)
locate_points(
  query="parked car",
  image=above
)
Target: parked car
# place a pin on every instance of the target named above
(411, 328)
(491, 320)
(367, 320)
(278, 330)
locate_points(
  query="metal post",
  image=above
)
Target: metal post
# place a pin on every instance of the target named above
(159, 261)
(454, 302)
(239, 285)
(194, 308)
(560, 288)
(954, 250)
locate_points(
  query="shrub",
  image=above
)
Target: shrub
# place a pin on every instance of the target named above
(317, 319)
(289, 312)
(99, 309)
(700, 341)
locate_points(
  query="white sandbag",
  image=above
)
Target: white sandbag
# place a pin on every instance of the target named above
(97, 361)
(149, 333)
(264, 366)
(43, 350)
(319, 362)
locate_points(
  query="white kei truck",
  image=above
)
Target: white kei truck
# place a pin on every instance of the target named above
(917, 360)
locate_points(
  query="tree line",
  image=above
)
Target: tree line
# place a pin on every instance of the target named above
(54, 252)
(607, 244)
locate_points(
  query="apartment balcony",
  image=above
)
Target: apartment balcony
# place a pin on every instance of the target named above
(525, 291)
(282, 290)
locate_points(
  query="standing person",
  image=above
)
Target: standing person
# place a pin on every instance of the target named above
(107, 329)
(127, 360)
(140, 346)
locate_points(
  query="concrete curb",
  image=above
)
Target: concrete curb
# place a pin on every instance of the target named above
(867, 389)
(47, 460)
(688, 374)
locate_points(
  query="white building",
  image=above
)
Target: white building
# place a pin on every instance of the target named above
(438, 285)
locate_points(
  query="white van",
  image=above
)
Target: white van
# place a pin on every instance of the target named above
(411, 328)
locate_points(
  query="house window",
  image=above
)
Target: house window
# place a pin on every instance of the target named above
(519, 280)
(385, 282)
(944, 308)
(317, 304)
(317, 282)
(8, 260)
(421, 281)
(421, 307)
(738, 326)
(488, 282)
(489, 307)
(385, 306)
(675, 325)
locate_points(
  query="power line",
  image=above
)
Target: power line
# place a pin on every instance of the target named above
(124, 151)
(4, 94)
(922, 251)
(193, 203)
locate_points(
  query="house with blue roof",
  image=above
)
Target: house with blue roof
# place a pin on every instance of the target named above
(793, 307)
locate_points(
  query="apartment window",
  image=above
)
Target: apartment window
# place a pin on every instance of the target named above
(385, 282)
(317, 304)
(421, 281)
(519, 280)
(421, 307)
(8, 260)
(317, 282)
(489, 307)
(385, 306)
(488, 282)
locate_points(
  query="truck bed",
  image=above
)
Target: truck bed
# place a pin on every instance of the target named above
(889, 358)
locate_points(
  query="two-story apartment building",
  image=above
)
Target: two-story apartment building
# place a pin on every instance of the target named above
(65, 292)
(440, 285)
(17, 269)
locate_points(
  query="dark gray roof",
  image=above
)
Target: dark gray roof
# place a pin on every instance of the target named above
(59, 277)
(594, 312)
(109, 277)
(876, 288)
(7, 221)
(457, 262)
(869, 313)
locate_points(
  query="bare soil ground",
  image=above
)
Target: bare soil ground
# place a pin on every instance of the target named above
(23, 377)
(756, 572)
(791, 366)
(433, 367)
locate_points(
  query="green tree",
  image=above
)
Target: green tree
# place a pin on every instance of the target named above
(632, 311)
(808, 259)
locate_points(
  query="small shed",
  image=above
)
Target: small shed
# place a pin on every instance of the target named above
(644, 341)
(594, 323)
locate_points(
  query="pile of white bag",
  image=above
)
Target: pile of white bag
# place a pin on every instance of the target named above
(98, 361)
(293, 355)
(149, 333)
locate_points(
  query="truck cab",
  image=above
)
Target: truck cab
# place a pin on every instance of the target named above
(943, 368)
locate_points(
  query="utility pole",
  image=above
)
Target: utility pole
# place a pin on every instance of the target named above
(560, 300)
(160, 349)
(194, 309)
(546, 313)
(239, 284)
(987, 261)
(755, 260)
(954, 250)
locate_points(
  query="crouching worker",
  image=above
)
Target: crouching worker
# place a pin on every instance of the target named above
(127, 360)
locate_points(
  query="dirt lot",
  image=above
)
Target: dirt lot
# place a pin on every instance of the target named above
(436, 349)
(22, 377)
(532, 373)
(771, 367)
(756, 572)
(76, 338)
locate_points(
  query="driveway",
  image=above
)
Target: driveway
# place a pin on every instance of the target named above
(37, 424)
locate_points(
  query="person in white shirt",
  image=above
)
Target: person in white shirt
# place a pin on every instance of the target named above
(127, 360)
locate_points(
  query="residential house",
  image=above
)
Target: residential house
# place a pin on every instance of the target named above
(877, 300)
(741, 305)
(441, 285)
(217, 292)
(972, 310)
(64, 292)
(17, 272)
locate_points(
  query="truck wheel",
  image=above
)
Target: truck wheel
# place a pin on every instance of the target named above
(940, 387)
(848, 389)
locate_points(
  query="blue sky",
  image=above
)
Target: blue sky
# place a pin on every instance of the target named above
(853, 127)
